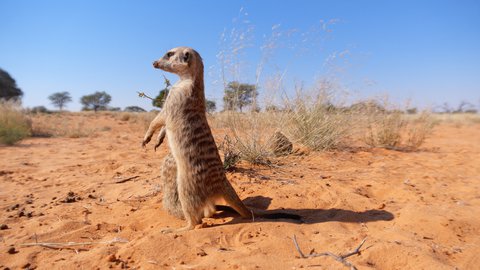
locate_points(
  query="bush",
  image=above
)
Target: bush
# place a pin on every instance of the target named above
(315, 122)
(250, 134)
(39, 109)
(14, 124)
(134, 109)
(398, 131)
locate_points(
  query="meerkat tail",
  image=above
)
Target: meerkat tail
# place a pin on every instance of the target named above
(232, 200)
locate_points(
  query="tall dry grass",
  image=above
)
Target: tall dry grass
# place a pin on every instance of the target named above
(15, 125)
(312, 119)
(301, 120)
(62, 125)
(394, 129)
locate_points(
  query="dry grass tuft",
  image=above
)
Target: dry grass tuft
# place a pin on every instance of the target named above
(250, 133)
(312, 120)
(393, 129)
(14, 123)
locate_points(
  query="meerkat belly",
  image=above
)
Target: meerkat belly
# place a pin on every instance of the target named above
(198, 165)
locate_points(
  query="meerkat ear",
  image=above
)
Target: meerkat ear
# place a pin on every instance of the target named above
(186, 57)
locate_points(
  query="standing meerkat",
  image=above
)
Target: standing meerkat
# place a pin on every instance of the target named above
(199, 177)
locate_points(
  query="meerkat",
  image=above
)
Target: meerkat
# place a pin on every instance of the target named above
(200, 179)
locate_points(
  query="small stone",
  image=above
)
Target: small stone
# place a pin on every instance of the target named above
(280, 145)
(112, 258)
(201, 253)
(13, 207)
(3, 226)
(12, 250)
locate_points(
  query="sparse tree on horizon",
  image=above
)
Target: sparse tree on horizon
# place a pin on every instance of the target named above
(238, 95)
(134, 109)
(60, 99)
(210, 105)
(95, 101)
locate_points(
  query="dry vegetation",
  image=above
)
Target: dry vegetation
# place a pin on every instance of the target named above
(63, 200)
(17, 123)
(314, 123)
(310, 122)
(14, 124)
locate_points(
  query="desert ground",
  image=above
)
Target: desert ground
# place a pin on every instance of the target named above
(100, 192)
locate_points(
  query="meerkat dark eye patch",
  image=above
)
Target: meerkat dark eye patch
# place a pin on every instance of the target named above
(186, 57)
(169, 54)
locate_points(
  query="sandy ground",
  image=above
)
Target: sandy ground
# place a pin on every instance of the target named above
(416, 210)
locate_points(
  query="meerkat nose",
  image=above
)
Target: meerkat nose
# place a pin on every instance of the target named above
(155, 64)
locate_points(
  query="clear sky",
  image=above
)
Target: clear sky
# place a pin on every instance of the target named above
(426, 51)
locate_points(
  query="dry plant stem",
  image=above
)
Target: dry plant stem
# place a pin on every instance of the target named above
(73, 244)
(142, 94)
(341, 258)
(126, 179)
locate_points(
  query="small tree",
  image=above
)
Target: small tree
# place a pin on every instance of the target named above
(60, 99)
(8, 87)
(211, 106)
(95, 101)
(162, 95)
(238, 95)
(160, 99)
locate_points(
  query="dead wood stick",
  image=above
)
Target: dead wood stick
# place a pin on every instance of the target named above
(355, 251)
(126, 179)
(142, 94)
(341, 258)
(73, 244)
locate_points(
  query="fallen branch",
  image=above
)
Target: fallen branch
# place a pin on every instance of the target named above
(73, 244)
(341, 257)
(126, 179)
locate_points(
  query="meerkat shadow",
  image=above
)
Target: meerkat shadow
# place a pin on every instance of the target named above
(308, 215)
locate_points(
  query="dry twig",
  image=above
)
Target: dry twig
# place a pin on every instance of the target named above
(341, 257)
(142, 94)
(126, 179)
(73, 244)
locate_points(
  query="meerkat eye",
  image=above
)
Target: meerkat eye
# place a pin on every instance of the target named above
(170, 54)
(186, 57)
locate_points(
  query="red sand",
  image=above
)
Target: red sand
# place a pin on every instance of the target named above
(418, 210)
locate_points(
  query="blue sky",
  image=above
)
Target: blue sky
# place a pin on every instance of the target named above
(426, 51)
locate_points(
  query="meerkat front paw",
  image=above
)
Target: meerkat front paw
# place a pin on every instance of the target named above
(160, 138)
(146, 141)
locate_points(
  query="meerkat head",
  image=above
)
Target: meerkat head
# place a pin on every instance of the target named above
(180, 61)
